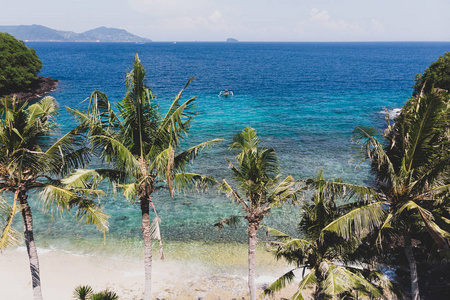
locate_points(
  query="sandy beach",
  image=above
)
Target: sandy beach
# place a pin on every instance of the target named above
(173, 278)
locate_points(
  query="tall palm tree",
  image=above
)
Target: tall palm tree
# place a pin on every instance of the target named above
(29, 161)
(141, 150)
(259, 188)
(411, 168)
(334, 271)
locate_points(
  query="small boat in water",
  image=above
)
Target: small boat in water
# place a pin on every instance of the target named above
(226, 93)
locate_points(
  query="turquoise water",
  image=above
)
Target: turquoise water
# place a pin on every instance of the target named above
(304, 99)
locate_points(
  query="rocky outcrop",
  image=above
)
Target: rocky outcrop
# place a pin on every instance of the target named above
(40, 87)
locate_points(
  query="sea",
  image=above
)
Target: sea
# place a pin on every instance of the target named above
(304, 99)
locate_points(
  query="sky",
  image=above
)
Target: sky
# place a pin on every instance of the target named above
(245, 20)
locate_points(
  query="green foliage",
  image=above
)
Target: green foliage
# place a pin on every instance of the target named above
(30, 158)
(83, 292)
(333, 272)
(437, 75)
(140, 149)
(257, 177)
(86, 292)
(19, 65)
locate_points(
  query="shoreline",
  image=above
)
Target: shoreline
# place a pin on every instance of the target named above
(174, 278)
(41, 87)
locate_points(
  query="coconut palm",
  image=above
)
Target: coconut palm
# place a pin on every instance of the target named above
(259, 188)
(411, 168)
(140, 150)
(334, 270)
(30, 161)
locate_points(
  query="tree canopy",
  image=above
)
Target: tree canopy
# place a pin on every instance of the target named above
(437, 75)
(19, 65)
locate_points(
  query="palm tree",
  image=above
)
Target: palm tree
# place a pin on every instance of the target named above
(258, 188)
(29, 161)
(86, 292)
(334, 271)
(411, 169)
(139, 149)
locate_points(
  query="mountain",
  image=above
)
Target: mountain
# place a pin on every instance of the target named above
(39, 33)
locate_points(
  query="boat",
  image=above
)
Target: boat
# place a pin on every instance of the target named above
(226, 93)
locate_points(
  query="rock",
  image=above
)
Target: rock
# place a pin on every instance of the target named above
(39, 88)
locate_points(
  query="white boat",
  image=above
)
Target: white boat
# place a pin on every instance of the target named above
(226, 93)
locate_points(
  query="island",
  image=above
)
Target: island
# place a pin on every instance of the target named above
(231, 40)
(39, 33)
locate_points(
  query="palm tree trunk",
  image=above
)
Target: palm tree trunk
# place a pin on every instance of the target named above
(29, 242)
(415, 295)
(147, 234)
(252, 230)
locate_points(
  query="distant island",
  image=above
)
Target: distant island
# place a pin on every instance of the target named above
(39, 33)
(231, 40)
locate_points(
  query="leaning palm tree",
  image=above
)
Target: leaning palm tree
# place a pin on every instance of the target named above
(30, 161)
(140, 150)
(411, 169)
(259, 189)
(334, 272)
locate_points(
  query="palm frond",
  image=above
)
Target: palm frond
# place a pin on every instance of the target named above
(231, 221)
(83, 292)
(439, 235)
(114, 149)
(176, 111)
(90, 213)
(198, 182)
(83, 178)
(339, 280)
(423, 130)
(359, 221)
(9, 236)
(63, 200)
(309, 280)
(130, 191)
(280, 283)
(278, 235)
(187, 156)
(234, 195)
(163, 163)
(69, 152)
(285, 191)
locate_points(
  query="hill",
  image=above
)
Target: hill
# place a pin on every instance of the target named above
(39, 33)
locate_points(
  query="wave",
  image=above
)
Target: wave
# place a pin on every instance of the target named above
(393, 113)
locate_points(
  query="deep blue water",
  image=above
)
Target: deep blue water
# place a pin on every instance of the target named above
(304, 99)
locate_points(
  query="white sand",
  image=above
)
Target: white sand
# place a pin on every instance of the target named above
(61, 272)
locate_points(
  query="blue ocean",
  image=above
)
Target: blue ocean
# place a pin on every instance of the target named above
(304, 99)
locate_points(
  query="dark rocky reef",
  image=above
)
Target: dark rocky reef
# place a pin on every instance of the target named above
(39, 88)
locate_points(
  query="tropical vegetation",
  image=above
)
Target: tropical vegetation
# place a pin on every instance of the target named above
(19, 65)
(86, 292)
(32, 159)
(141, 151)
(436, 76)
(331, 266)
(411, 166)
(259, 188)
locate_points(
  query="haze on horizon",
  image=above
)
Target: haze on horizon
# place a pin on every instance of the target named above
(245, 20)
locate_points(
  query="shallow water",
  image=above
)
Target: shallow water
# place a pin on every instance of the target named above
(304, 99)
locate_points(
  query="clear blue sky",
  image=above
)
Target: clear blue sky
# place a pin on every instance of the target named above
(246, 20)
